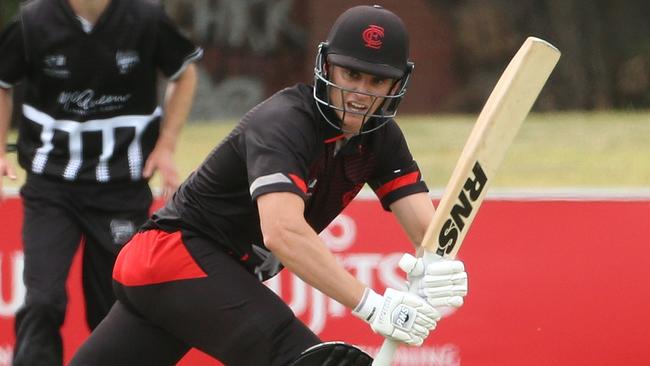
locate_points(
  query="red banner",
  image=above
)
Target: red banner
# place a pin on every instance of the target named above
(551, 283)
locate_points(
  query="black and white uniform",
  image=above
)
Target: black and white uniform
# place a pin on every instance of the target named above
(192, 276)
(89, 121)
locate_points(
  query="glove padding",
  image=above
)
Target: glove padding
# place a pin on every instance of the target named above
(398, 315)
(442, 282)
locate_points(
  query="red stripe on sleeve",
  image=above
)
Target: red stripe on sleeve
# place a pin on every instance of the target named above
(396, 183)
(299, 182)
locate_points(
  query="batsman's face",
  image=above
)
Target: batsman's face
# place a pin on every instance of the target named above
(360, 96)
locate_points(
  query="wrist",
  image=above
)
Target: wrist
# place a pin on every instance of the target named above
(166, 141)
(369, 305)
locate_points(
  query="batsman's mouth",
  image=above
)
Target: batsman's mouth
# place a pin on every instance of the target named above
(356, 107)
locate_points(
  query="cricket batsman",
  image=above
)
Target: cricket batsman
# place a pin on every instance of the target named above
(192, 276)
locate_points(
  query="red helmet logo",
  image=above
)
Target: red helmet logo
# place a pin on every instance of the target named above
(373, 36)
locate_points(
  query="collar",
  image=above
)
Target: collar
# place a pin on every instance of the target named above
(85, 25)
(106, 14)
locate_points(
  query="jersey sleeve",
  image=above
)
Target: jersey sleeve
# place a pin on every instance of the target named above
(277, 153)
(398, 175)
(174, 51)
(12, 56)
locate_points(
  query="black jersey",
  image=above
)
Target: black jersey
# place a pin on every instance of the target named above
(284, 145)
(90, 109)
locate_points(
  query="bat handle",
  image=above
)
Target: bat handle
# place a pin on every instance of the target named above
(387, 351)
(385, 355)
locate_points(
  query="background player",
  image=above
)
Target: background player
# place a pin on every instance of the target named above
(91, 135)
(192, 276)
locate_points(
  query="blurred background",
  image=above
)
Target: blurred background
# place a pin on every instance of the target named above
(589, 127)
(460, 47)
(573, 188)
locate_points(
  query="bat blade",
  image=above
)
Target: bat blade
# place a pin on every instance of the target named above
(495, 129)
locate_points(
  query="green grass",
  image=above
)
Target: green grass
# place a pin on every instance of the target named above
(604, 149)
(551, 150)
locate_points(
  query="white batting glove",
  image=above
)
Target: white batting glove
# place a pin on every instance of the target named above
(397, 315)
(442, 282)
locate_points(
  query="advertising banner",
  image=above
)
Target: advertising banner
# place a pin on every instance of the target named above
(552, 282)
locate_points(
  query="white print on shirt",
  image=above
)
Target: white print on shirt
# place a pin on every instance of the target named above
(75, 129)
(126, 60)
(55, 66)
(85, 102)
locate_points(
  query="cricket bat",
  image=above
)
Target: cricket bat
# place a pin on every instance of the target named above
(497, 124)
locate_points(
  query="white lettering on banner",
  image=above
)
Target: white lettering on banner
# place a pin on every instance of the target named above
(298, 302)
(17, 263)
(444, 355)
(340, 234)
(363, 265)
(319, 311)
(6, 354)
(301, 295)
(304, 299)
(335, 309)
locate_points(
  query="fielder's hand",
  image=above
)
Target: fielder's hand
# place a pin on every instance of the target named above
(6, 169)
(442, 282)
(397, 315)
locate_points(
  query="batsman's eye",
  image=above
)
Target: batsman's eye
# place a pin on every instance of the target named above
(351, 74)
(379, 81)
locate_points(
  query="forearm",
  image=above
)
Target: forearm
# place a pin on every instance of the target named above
(5, 118)
(414, 214)
(178, 102)
(302, 251)
(305, 254)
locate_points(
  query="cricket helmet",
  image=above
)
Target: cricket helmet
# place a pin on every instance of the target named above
(368, 39)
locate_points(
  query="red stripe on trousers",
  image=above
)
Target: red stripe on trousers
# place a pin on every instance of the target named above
(155, 256)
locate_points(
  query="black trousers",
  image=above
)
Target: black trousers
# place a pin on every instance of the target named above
(226, 313)
(57, 217)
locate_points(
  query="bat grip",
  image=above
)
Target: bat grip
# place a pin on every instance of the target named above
(385, 355)
(387, 351)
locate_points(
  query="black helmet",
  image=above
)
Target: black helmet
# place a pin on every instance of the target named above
(368, 39)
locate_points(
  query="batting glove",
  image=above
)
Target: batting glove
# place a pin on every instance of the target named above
(442, 282)
(397, 315)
